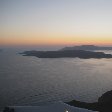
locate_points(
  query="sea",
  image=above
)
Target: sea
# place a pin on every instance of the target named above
(28, 80)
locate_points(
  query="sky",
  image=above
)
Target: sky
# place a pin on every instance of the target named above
(55, 22)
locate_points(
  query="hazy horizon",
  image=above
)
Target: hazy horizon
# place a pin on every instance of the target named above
(38, 48)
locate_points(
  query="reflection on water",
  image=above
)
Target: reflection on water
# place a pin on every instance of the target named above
(34, 81)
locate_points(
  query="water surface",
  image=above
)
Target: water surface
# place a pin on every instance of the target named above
(34, 81)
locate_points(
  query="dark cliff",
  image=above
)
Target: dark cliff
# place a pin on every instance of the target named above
(104, 103)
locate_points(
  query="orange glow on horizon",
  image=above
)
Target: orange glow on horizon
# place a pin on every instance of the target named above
(56, 41)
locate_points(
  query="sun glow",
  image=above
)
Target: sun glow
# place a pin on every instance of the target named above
(55, 40)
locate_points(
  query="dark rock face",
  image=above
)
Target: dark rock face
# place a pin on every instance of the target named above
(104, 103)
(70, 53)
(106, 97)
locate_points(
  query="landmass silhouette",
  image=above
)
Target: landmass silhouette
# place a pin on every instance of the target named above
(86, 47)
(84, 54)
(104, 103)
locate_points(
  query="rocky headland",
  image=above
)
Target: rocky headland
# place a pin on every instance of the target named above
(104, 103)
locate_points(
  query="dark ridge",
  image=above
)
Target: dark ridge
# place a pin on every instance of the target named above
(104, 103)
(67, 54)
(86, 47)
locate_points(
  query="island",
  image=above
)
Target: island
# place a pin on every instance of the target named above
(67, 54)
(86, 47)
(104, 103)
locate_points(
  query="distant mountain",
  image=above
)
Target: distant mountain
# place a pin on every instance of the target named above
(86, 47)
(67, 53)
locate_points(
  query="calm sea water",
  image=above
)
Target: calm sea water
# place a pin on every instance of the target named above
(33, 81)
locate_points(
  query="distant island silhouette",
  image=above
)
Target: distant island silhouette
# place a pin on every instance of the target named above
(64, 53)
(86, 47)
(104, 103)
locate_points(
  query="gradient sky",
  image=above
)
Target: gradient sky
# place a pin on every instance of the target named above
(55, 22)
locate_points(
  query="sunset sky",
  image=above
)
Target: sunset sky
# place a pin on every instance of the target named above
(55, 22)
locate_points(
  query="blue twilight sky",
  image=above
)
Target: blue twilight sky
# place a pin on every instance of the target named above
(55, 22)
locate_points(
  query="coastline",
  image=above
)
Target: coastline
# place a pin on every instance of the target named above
(104, 103)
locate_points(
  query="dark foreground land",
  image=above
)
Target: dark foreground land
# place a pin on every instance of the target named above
(67, 53)
(104, 103)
